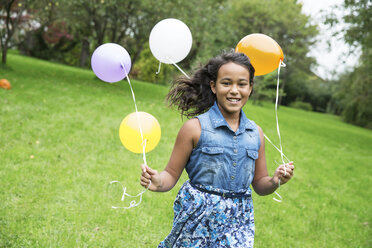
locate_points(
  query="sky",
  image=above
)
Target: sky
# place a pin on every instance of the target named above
(334, 59)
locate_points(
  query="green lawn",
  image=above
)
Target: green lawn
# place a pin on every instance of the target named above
(60, 148)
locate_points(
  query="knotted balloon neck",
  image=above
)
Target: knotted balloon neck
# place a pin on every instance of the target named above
(179, 68)
(159, 68)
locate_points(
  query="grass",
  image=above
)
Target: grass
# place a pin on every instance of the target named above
(59, 150)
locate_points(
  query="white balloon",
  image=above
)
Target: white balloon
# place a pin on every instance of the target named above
(170, 41)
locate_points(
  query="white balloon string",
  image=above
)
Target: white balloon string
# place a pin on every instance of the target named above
(276, 115)
(132, 203)
(137, 115)
(278, 200)
(184, 73)
(280, 149)
(144, 151)
(267, 138)
(159, 68)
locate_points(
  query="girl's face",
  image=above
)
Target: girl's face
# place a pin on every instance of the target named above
(232, 88)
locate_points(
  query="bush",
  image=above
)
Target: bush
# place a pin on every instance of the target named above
(358, 113)
(301, 105)
(147, 66)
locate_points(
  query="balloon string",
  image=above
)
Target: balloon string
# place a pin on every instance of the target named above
(137, 115)
(159, 68)
(184, 73)
(144, 151)
(278, 200)
(276, 114)
(132, 203)
(280, 149)
(267, 138)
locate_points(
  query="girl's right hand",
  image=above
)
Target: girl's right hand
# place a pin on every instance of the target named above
(152, 175)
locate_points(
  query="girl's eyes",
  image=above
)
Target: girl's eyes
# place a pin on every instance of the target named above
(229, 83)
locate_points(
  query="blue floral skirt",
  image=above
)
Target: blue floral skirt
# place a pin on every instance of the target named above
(208, 220)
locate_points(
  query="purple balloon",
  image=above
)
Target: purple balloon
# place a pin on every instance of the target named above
(108, 61)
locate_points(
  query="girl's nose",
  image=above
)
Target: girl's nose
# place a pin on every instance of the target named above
(234, 89)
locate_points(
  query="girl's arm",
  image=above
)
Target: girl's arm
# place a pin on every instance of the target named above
(187, 138)
(262, 183)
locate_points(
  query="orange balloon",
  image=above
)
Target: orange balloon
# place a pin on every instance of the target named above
(5, 84)
(264, 52)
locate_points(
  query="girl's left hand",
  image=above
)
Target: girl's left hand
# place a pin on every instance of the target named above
(284, 172)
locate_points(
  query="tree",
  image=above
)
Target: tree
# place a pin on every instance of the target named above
(52, 39)
(354, 96)
(285, 23)
(147, 65)
(12, 15)
(265, 88)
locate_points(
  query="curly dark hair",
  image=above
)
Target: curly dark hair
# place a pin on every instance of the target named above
(194, 96)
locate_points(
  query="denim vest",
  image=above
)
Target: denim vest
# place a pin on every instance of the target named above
(224, 159)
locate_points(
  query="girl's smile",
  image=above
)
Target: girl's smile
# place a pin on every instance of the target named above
(232, 88)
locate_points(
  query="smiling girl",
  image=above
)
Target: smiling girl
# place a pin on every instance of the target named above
(223, 153)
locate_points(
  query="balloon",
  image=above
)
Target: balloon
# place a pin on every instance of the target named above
(108, 61)
(130, 136)
(264, 52)
(170, 41)
(5, 84)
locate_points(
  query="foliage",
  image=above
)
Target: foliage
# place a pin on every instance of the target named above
(52, 39)
(13, 16)
(359, 18)
(147, 66)
(69, 31)
(128, 23)
(311, 89)
(67, 27)
(319, 93)
(285, 23)
(354, 96)
(209, 30)
(357, 93)
(264, 88)
(301, 105)
(56, 32)
(123, 22)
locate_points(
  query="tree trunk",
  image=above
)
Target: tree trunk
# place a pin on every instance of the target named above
(8, 30)
(84, 52)
(4, 51)
(137, 53)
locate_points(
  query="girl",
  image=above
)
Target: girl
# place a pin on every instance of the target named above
(223, 153)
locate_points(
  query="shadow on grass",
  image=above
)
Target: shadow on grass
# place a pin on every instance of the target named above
(5, 68)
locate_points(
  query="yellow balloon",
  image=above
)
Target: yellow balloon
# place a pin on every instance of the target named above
(264, 52)
(130, 135)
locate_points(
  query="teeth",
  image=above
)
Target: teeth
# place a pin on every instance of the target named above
(233, 100)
